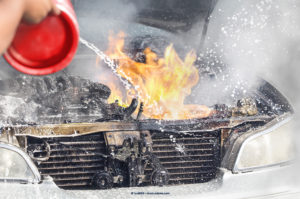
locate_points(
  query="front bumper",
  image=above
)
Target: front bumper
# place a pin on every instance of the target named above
(276, 182)
(273, 182)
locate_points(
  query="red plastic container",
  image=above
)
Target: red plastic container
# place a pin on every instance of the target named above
(47, 47)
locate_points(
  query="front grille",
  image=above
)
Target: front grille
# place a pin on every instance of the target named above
(189, 158)
(73, 161)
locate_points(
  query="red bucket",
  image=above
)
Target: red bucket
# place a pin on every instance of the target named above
(47, 47)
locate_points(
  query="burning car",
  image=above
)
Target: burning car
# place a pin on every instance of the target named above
(136, 129)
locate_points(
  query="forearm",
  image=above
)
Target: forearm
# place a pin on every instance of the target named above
(11, 13)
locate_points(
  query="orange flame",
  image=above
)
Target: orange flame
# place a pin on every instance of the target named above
(160, 83)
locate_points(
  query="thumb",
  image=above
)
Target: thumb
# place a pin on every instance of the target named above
(55, 9)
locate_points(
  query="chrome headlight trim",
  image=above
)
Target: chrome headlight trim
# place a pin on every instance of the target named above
(37, 176)
(233, 155)
(252, 137)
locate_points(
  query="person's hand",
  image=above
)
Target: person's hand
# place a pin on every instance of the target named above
(36, 10)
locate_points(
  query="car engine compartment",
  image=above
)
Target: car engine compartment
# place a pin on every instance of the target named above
(114, 148)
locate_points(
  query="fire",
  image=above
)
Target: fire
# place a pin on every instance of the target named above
(161, 84)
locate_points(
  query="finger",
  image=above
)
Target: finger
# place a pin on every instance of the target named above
(55, 9)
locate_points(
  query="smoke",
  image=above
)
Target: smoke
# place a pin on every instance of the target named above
(252, 38)
(259, 38)
(256, 37)
(96, 20)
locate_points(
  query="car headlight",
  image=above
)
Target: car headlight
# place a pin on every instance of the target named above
(15, 165)
(268, 147)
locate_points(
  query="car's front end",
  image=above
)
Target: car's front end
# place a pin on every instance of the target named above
(237, 149)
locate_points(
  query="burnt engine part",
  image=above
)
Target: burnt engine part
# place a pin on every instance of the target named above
(141, 109)
(244, 107)
(103, 180)
(135, 149)
(160, 177)
(32, 150)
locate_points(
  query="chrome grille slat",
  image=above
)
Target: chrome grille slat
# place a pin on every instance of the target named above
(71, 161)
(186, 144)
(73, 155)
(72, 167)
(185, 150)
(71, 172)
(183, 139)
(79, 143)
(187, 167)
(71, 149)
(184, 156)
(187, 161)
